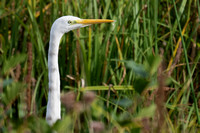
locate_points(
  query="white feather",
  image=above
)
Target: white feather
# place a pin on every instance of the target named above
(59, 27)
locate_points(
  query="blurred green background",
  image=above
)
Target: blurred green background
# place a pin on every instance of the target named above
(142, 69)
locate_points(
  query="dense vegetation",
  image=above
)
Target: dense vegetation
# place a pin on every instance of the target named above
(139, 74)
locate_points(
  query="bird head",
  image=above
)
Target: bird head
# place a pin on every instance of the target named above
(67, 23)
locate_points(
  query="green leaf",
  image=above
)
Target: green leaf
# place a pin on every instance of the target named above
(153, 63)
(125, 102)
(13, 61)
(137, 68)
(6, 82)
(140, 84)
(147, 112)
(64, 125)
(11, 92)
(36, 125)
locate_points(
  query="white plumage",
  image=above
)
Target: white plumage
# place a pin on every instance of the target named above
(60, 26)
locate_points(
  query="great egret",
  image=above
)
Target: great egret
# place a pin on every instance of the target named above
(60, 26)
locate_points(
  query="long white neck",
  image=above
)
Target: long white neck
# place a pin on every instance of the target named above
(53, 106)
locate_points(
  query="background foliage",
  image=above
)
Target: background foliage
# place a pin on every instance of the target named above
(142, 69)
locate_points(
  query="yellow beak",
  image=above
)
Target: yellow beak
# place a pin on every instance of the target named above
(93, 21)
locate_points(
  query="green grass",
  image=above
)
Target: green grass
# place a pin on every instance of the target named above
(120, 62)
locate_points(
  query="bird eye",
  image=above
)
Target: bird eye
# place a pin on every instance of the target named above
(69, 22)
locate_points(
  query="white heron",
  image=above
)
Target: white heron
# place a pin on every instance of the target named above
(60, 26)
